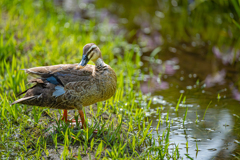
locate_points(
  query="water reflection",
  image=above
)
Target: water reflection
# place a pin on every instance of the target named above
(217, 78)
(235, 92)
(214, 135)
(153, 84)
(229, 56)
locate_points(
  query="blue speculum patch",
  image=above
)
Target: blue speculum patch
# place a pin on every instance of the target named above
(53, 80)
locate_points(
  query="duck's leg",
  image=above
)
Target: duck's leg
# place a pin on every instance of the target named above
(64, 117)
(82, 118)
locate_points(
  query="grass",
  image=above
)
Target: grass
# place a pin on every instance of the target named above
(237, 129)
(179, 100)
(36, 33)
(206, 110)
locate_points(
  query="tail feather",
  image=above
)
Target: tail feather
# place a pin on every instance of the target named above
(19, 94)
(21, 100)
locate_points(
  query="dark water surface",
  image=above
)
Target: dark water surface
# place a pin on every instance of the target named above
(201, 65)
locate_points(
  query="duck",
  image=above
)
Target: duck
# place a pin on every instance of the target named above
(71, 86)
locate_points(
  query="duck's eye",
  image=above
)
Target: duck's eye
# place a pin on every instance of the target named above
(91, 48)
(90, 55)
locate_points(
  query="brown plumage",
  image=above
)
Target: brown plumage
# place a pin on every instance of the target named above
(71, 86)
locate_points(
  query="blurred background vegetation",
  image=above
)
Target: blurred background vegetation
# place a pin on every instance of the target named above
(215, 22)
(177, 63)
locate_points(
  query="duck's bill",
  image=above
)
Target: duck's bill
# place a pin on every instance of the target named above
(83, 62)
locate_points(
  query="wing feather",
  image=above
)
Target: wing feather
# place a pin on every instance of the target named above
(62, 74)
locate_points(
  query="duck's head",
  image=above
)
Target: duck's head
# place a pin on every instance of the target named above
(90, 52)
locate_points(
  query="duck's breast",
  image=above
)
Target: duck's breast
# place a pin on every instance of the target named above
(103, 86)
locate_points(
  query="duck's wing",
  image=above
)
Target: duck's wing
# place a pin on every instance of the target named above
(51, 82)
(61, 74)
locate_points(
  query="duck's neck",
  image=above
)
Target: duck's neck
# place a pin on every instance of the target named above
(99, 62)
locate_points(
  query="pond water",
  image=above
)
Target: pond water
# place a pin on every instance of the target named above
(215, 136)
(205, 75)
